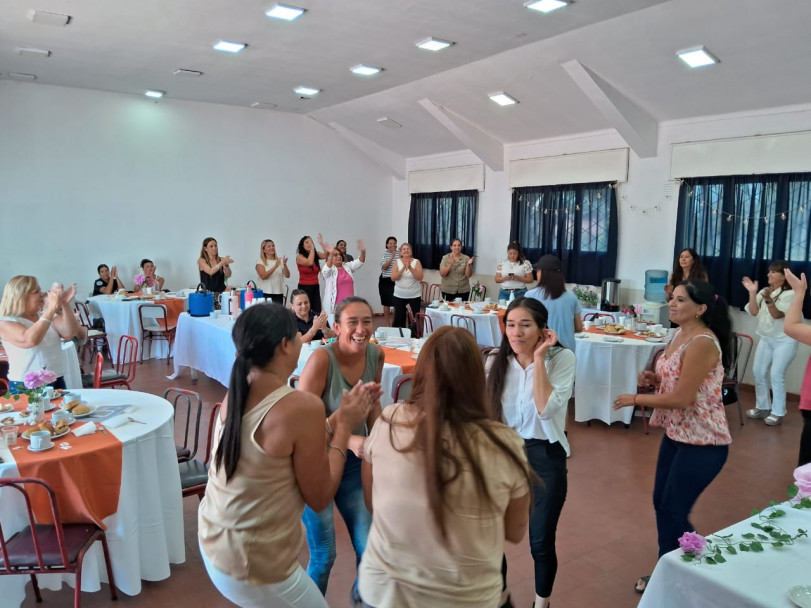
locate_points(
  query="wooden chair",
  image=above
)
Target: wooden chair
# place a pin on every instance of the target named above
(155, 328)
(642, 390)
(123, 374)
(190, 407)
(48, 548)
(96, 339)
(464, 321)
(193, 472)
(402, 387)
(730, 387)
(424, 325)
(594, 315)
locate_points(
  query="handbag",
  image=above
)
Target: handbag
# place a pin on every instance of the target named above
(201, 303)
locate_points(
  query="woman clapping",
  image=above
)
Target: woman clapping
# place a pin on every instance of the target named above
(407, 274)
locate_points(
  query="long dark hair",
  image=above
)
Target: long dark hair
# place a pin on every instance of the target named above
(716, 317)
(446, 407)
(498, 370)
(301, 250)
(552, 282)
(697, 270)
(517, 247)
(256, 334)
(204, 253)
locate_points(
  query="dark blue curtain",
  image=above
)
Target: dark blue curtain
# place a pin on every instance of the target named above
(740, 224)
(576, 222)
(436, 218)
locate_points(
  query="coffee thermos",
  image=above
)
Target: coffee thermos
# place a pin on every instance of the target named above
(610, 295)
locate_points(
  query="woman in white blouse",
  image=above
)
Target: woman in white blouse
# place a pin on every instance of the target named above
(514, 274)
(272, 271)
(406, 274)
(530, 381)
(339, 282)
(776, 350)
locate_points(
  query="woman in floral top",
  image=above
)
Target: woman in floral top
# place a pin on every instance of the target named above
(688, 405)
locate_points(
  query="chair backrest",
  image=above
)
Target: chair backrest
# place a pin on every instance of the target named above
(35, 490)
(464, 321)
(212, 421)
(594, 315)
(425, 288)
(286, 292)
(424, 325)
(479, 297)
(127, 357)
(434, 292)
(155, 318)
(402, 387)
(82, 314)
(188, 407)
(97, 370)
(744, 344)
(395, 332)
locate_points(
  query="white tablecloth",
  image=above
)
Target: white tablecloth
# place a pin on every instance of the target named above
(205, 344)
(488, 329)
(73, 374)
(605, 370)
(145, 535)
(745, 580)
(121, 318)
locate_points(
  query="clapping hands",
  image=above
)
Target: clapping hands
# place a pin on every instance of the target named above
(798, 284)
(750, 285)
(357, 403)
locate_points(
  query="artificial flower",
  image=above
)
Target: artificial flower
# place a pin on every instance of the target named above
(802, 479)
(692, 543)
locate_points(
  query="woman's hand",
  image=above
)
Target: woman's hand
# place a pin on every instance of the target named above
(226, 260)
(320, 321)
(550, 338)
(284, 260)
(750, 285)
(470, 261)
(361, 246)
(114, 273)
(624, 401)
(67, 295)
(357, 403)
(799, 285)
(767, 294)
(647, 378)
(53, 299)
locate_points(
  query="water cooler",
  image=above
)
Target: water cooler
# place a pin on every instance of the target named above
(654, 309)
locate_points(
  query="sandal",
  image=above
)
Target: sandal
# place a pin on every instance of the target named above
(757, 414)
(641, 584)
(773, 420)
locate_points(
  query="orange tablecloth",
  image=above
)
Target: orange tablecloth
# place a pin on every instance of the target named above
(628, 334)
(86, 478)
(174, 306)
(403, 359)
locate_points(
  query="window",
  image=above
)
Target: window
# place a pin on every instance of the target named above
(740, 224)
(436, 218)
(576, 222)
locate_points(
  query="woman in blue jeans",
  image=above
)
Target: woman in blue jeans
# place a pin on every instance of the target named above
(329, 372)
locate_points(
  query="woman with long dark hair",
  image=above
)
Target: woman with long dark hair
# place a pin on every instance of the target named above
(270, 459)
(796, 329)
(529, 382)
(775, 350)
(213, 269)
(687, 403)
(687, 266)
(448, 485)
(309, 267)
(562, 306)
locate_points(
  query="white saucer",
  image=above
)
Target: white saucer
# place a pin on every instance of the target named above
(654, 339)
(581, 336)
(611, 339)
(51, 445)
(800, 595)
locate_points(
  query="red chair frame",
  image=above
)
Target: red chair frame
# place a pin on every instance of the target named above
(96, 339)
(125, 365)
(423, 322)
(195, 467)
(164, 333)
(401, 381)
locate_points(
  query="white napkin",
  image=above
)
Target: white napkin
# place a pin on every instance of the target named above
(116, 421)
(85, 429)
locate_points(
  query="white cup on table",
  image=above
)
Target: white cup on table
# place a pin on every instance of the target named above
(457, 301)
(40, 440)
(587, 325)
(10, 435)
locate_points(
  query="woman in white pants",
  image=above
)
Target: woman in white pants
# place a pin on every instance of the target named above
(775, 349)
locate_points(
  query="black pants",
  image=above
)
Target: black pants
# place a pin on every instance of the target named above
(805, 439)
(400, 314)
(450, 297)
(276, 298)
(314, 293)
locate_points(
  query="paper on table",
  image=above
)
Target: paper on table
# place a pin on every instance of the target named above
(116, 421)
(86, 429)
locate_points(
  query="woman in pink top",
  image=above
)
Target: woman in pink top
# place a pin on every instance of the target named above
(339, 282)
(687, 403)
(794, 328)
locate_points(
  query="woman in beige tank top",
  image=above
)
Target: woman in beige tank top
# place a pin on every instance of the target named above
(272, 454)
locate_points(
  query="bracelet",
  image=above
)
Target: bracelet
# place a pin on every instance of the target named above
(329, 429)
(46, 319)
(635, 396)
(332, 447)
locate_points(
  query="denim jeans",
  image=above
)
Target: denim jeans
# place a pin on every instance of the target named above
(777, 354)
(321, 528)
(683, 472)
(503, 294)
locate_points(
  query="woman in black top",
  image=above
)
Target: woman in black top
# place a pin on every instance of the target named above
(108, 282)
(310, 326)
(213, 269)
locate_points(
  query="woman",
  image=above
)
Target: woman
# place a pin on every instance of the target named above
(775, 350)
(385, 286)
(150, 278)
(272, 272)
(310, 326)
(307, 262)
(514, 273)
(455, 268)
(466, 479)
(270, 458)
(795, 328)
(406, 274)
(32, 325)
(339, 282)
(213, 269)
(562, 306)
(108, 282)
(687, 266)
(687, 403)
(529, 383)
(330, 372)
(341, 245)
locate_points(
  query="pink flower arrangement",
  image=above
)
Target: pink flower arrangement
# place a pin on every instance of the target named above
(142, 279)
(692, 543)
(39, 378)
(802, 479)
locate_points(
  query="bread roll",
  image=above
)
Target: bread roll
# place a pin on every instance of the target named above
(80, 409)
(70, 405)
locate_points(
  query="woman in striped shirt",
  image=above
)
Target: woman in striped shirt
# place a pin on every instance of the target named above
(385, 285)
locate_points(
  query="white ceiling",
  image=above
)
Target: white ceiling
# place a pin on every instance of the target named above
(128, 47)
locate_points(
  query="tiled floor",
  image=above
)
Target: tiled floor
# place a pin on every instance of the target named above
(606, 536)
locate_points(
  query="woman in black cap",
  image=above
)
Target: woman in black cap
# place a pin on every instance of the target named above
(564, 309)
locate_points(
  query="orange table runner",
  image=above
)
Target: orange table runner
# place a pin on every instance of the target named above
(628, 334)
(86, 478)
(401, 358)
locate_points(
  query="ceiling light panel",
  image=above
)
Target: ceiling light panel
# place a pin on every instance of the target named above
(229, 47)
(187, 73)
(388, 123)
(546, 6)
(261, 105)
(154, 94)
(365, 70)
(306, 91)
(697, 57)
(434, 44)
(18, 76)
(284, 12)
(502, 99)
(28, 52)
(46, 18)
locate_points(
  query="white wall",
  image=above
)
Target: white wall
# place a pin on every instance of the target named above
(646, 239)
(88, 177)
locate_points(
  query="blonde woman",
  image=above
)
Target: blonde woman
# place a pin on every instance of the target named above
(272, 271)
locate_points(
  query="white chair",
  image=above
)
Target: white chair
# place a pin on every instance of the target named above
(395, 332)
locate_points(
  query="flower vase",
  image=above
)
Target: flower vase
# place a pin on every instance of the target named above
(36, 405)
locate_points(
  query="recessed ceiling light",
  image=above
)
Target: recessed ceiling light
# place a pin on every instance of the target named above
(260, 105)
(187, 73)
(365, 70)
(388, 123)
(698, 57)
(154, 94)
(41, 53)
(306, 91)
(546, 6)
(285, 12)
(502, 99)
(18, 76)
(46, 18)
(229, 47)
(434, 44)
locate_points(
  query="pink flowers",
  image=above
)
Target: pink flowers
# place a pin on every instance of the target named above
(692, 543)
(802, 479)
(34, 380)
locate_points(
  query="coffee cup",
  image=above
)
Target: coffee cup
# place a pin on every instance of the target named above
(59, 415)
(657, 329)
(10, 435)
(40, 440)
(457, 301)
(488, 301)
(48, 391)
(435, 303)
(587, 325)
